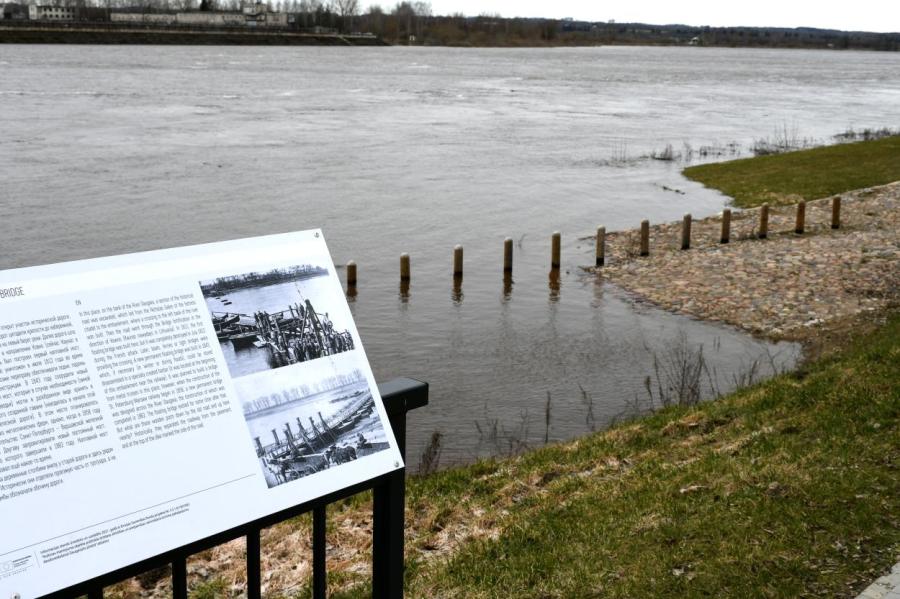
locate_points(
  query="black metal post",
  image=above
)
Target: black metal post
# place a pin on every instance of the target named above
(320, 574)
(389, 498)
(179, 577)
(387, 537)
(254, 568)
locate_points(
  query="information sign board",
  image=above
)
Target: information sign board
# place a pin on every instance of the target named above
(155, 399)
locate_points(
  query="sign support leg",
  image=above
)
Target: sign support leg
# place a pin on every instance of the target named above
(320, 581)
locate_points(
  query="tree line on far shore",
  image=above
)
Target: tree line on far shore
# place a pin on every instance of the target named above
(414, 23)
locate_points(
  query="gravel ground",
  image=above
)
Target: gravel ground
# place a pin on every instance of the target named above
(787, 286)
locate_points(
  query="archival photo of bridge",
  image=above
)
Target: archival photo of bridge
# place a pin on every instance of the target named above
(266, 320)
(301, 426)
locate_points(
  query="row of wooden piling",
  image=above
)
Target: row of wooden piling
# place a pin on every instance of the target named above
(556, 242)
(725, 236)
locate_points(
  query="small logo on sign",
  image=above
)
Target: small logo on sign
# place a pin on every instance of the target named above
(13, 567)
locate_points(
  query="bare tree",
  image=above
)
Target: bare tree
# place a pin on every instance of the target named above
(405, 13)
(308, 10)
(375, 20)
(346, 9)
(411, 13)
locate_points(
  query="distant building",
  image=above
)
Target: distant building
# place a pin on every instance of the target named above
(214, 19)
(143, 18)
(249, 17)
(255, 9)
(276, 19)
(51, 13)
(258, 14)
(695, 41)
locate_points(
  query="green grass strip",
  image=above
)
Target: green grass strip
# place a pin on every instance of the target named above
(787, 489)
(803, 175)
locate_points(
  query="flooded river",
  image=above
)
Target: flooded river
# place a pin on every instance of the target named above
(108, 150)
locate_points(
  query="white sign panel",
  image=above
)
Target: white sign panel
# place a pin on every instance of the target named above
(154, 399)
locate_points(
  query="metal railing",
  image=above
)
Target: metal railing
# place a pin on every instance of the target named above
(389, 497)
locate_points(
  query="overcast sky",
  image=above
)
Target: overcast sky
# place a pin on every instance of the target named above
(861, 15)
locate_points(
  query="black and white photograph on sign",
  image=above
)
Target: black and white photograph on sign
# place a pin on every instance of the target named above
(307, 427)
(284, 316)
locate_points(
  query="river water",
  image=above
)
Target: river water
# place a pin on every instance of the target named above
(108, 150)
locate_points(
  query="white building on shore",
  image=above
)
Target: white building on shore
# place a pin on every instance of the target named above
(51, 13)
(252, 15)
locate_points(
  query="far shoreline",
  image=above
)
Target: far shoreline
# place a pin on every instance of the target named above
(103, 33)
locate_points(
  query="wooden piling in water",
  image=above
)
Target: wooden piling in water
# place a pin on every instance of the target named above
(555, 251)
(801, 218)
(763, 221)
(726, 226)
(686, 232)
(645, 238)
(458, 262)
(507, 256)
(351, 274)
(601, 245)
(836, 212)
(404, 268)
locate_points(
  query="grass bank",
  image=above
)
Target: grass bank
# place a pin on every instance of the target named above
(805, 174)
(790, 488)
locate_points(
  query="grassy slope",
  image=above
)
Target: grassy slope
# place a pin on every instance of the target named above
(791, 488)
(807, 174)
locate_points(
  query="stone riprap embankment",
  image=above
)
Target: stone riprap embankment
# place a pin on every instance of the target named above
(787, 286)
